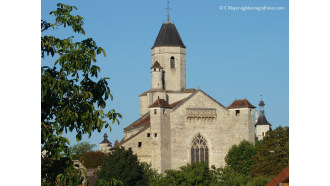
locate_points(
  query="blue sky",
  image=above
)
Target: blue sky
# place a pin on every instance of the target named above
(230, 54)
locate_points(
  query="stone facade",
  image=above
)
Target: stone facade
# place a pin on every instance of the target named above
(172, 117)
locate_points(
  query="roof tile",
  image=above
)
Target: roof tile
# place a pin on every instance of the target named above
(242, 103)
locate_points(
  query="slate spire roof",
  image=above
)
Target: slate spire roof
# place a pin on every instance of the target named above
(105, 140)
(262, 119)
(156, 65)
(168, 36)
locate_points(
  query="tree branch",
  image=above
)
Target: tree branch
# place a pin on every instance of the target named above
(52, 25)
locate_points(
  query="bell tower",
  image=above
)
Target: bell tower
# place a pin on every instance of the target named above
(262, 125)
(170, 52)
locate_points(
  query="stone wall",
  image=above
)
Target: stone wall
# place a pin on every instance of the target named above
(261, 131)
(175, 78)
(217, 131)
(144, 151)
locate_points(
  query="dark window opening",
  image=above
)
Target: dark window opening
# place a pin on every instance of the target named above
(155, 134)
(263, 134)
(130, 148)
(155, 111)
(148, 134)
(237, 112)
(139, 144)
(154, 69)
(172, 62)
(199, 150)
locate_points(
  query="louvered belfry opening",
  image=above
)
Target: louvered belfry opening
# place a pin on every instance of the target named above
(199, 150)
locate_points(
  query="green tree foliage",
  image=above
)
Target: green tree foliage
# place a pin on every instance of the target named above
(229, 177)
(191, 174)
(78, 149)
(121, 165)
(258, 181)
(272, 153)
(92, 159)
(239, 157)
(72, 96)
(150, 176)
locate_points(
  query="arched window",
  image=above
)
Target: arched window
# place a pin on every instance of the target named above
(199, 150)
(172, 62)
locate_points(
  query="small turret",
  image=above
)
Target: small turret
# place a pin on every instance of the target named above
(262, 125)
(242, 113)
(105, 144)
(157, 76)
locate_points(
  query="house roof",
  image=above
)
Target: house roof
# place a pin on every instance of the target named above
(242, 103)
(160, 103)
(168, 36)
(282, 177)
(156, 65)
(143, 120)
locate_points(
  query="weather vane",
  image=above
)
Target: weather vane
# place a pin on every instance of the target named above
(168, 11)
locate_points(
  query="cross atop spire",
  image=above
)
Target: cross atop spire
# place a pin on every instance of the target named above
(168, 11)
(261, 103)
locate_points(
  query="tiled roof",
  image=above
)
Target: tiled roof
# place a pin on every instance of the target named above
(140, 131)
(168, 36)
(144, 93)
(143, 120)
(176, 103)
(160, 103)
(282, 177)
(190, 90)
(116, 143)
(242, 103)
(156, 65)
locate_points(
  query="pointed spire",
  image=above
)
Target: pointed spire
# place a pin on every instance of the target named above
(116, 143)
(156, 65)
(105, 140)
(168, 36)
(262, 118)
(168, 11)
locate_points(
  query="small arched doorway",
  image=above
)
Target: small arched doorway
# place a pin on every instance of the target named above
(199, 150)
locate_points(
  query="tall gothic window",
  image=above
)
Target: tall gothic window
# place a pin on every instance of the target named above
(172, 62)
(199, 150)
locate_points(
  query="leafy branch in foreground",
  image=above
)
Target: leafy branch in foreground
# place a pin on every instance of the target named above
(72, 99)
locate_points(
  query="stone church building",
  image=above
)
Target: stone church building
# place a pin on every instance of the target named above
(180, 125)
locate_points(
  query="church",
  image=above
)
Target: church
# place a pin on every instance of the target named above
(180, 125)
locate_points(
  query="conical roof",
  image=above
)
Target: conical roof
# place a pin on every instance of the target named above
(156, 65)
(105, 140)
(262, 119)
(168, 36)
(116, 143)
